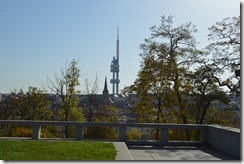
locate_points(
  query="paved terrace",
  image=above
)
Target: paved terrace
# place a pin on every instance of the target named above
(216, 142)
(177, 153)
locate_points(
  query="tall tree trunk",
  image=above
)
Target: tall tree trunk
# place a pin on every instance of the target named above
(66, 131)
(10, 134)
(90, 113)
(181, 108)
(205, 108)
(183, 113)
(159, 111)
(179, 99)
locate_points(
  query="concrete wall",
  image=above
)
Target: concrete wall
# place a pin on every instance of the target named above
(225, 139)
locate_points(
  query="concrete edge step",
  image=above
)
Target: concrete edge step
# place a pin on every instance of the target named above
(122, 151)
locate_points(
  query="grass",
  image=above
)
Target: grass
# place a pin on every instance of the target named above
(56, 150)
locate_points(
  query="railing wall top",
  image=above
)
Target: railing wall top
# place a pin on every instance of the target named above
(74, 123)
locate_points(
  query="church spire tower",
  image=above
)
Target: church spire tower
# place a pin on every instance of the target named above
(105, 90)
(115, 68)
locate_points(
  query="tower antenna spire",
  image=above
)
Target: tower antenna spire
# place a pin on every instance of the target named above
(115, 68)
(117, 33)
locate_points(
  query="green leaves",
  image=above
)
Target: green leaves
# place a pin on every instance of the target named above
(175, 72)
(32, 105)
(165, 55)
(225, 49)
(66, 87)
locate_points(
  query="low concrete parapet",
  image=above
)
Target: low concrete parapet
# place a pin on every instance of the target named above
(223, 139)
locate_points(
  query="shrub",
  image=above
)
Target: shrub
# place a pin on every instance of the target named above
(133, 134)
(100, 133)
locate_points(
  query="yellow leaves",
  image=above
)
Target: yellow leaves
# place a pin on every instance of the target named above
(23, 132)
(134, 134)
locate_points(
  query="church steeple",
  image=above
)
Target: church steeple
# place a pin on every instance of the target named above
(105, 90)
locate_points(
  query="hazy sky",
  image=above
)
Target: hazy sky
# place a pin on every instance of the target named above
(37, 37)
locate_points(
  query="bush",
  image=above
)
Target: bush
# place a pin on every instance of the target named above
(133, 135)
(23, 132)
(184, 135)
(100, 133)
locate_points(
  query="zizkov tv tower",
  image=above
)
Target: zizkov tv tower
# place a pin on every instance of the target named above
(115, 68)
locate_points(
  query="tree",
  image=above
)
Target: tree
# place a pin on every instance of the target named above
(9, 106)
(226, 116)
(203, 91)
(91, 92)
(66, 87)
(35, 105)
(32, 105)
(105, 113)
(148, 86)
(144, 109)
(174, 49)
(9, 109)
(225, 51)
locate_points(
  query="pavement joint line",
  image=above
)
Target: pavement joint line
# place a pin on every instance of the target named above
(150, 155)
(181, 157)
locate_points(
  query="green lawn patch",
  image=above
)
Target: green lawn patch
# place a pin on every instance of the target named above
(56, 150)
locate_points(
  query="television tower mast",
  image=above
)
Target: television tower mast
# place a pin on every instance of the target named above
(115, 68)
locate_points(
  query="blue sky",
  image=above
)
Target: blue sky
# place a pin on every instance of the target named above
(37, 37)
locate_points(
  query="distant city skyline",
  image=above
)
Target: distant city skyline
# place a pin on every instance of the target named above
(37, 38)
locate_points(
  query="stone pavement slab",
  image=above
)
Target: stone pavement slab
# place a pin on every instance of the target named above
(122, 151)
(176, 153)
